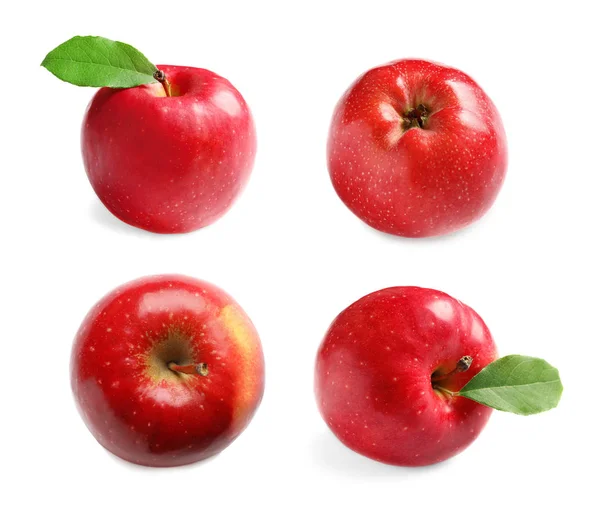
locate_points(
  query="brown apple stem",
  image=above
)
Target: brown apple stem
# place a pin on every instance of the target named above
(161, 77)
(198, 369)
(462, 365)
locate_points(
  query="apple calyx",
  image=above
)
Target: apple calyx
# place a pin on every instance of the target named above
(160, 77)
(194, 369)
(416, 117)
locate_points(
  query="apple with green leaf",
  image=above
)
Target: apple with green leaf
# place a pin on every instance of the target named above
(167, 149)
(409, 376)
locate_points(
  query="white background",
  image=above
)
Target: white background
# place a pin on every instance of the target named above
(293, 256)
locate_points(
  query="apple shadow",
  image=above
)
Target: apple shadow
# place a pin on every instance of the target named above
(331, 454)
(102, 216)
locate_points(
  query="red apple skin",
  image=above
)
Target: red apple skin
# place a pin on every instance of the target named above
(416, 182)
(373, 376)
(169, 164)
(139, 409)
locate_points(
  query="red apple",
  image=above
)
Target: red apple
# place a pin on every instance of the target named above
(167, 370)
(169, 164)
(383, 368)
(416, 149)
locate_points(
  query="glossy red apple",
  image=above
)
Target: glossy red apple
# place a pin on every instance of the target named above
(383, 368)
(174, 163)
(416, 149)
(167, 370)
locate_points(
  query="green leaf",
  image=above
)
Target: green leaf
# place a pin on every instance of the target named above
(98, 62)
(517, 384)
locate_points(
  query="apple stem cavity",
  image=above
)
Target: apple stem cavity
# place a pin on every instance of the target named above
(462, 365)
(160, 77)
(416, 117)
(194, 369)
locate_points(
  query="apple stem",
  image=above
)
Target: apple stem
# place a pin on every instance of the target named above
(445, 390)
(462, 365)
(197, 369)
(161, 77)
